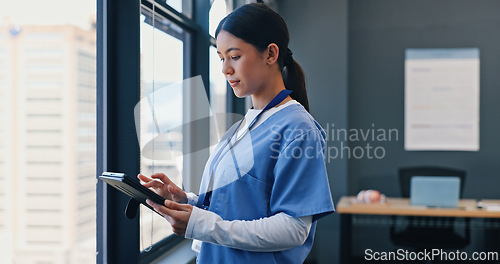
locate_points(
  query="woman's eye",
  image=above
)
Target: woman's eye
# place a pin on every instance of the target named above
(233, 58)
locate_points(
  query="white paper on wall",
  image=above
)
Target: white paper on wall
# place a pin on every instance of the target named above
(442, 99)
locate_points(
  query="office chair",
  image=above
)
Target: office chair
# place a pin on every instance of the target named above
(429, 232)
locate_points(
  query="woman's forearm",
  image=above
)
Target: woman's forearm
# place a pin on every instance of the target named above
(275, 233)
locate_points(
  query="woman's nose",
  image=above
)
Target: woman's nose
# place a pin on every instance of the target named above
(227, 69)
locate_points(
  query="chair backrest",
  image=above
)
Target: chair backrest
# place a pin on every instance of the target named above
(405, 175)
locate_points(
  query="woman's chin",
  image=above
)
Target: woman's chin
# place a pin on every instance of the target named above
(239, 93)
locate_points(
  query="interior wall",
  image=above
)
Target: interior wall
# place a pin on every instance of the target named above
(379, 33)
(318, 40)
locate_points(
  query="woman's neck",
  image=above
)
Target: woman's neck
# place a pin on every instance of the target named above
(263, 98)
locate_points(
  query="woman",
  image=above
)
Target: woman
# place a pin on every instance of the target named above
(265, 185)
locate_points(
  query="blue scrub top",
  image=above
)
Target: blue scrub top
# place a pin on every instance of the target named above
(278, 167)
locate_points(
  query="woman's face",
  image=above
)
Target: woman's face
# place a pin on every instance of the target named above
(244, 67)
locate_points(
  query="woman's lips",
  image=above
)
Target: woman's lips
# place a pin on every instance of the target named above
(233, 83)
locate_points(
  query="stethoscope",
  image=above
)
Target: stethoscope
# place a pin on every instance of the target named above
(221, 153)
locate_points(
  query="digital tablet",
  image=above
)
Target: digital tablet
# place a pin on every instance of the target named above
(131, 187)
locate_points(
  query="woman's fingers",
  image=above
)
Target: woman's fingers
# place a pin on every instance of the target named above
(177, 206)
(175, 190)
(156, 186)
(162, 177)
(176, 214)
(178, 193)
(153, 184)
(180, 216)
(172, 209)
(149, 182)
(164, 186)
(143, 178)
(164, 211)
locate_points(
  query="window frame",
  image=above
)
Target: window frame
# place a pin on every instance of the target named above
(112, 155)
(118, 82)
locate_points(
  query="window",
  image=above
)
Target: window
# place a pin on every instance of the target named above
(181, 6)
(47, 152)
(218, 97)
(125, 74)
(142, 48)
(218, 83)
(162, 64)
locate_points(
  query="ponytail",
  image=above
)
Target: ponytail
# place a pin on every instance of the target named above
(294, 79)
(260, 26)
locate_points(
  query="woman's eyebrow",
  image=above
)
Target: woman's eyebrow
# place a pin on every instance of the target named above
(228, 50)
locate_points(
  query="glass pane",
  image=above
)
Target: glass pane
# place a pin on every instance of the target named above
(218, 93)
(47, 132)
(217, 12)
(182, 6)
(218, 84)
(161, 65)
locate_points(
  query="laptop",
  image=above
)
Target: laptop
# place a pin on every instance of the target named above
(435, 191)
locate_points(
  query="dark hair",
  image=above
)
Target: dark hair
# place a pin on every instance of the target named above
(260, 26)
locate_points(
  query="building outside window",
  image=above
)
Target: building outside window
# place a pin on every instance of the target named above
(47, 133)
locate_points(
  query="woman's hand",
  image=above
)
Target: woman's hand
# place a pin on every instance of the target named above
(164, 187)
(176, 214)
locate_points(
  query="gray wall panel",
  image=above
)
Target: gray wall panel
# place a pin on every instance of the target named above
(318, 31)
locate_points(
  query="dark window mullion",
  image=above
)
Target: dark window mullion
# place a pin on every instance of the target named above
(117, 148)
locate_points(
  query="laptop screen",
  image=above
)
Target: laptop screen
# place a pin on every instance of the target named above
(436, 191)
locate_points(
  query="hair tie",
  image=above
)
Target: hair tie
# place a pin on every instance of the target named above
(288, 57)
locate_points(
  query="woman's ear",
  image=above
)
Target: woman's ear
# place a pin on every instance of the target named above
(272, 53)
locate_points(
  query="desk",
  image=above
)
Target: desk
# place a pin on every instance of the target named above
(401, 206)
